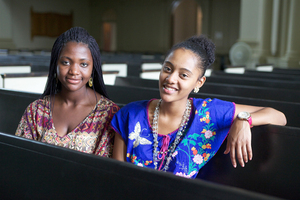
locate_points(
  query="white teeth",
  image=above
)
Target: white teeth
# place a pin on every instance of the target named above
(171, 89)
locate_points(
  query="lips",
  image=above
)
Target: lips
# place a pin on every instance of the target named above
(169, 89)
(73, 80)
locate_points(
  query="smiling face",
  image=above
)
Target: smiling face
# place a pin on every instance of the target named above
(74, 66)
(179, 75)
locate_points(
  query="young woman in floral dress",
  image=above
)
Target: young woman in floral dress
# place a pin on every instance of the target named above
(74, 110)
(178, 134)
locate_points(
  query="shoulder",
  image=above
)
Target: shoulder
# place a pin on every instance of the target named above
(107, 103)
(208, 102)
(134, 107)
(42, 102)
(38, 107)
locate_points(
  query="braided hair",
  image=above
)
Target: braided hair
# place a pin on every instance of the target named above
(202, 47)
(79, 35)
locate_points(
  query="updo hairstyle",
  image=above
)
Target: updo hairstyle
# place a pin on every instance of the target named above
(202, 47)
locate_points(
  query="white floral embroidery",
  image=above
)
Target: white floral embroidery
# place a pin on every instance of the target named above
(208, 134)
(140, 164)
(198, 159)
(186, 175)
(136, 136)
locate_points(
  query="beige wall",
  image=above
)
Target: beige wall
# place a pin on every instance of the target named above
(20, 19)
(142, 25)
(146, 25)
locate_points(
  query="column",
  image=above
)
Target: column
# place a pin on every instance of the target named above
(256, 28)
(291, 59)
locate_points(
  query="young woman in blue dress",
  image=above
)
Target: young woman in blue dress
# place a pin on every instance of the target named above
(179, 134)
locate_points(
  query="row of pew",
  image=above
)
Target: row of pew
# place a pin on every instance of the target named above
(33, 169)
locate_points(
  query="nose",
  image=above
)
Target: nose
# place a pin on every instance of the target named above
(171, 78)
(74, 69)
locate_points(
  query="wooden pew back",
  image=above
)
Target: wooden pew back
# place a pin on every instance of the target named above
(12, 107)
(124, 95)
(223, 89)
(35, 170)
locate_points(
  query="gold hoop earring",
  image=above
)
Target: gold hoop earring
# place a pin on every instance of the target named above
(196, 89)
(91, 82)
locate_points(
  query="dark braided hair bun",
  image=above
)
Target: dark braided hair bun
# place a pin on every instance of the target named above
(202, 47)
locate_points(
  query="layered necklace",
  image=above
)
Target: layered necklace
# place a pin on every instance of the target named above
(172, 147)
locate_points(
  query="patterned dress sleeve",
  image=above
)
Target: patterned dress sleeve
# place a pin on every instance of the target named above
(121, 121)
(27, 127)
(106, 141)
(224, 113)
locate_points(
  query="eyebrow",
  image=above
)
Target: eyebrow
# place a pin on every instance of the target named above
(180, 68)
(71, 58)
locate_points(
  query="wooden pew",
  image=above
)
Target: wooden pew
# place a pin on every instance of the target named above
(273, 168)
(36, 81)
(224, 89)
(124, 95)
(261, 75)
(13, 103)
(286, 71)
(35, 170)
(256, 82)
(12, 107)
(272, 75)
(15, 68)
(27, 82)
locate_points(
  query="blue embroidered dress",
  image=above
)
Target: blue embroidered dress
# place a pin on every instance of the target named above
(208, 126)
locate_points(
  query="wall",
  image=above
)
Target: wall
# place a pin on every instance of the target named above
(20, 12)
(224, 24)
(5, 25)
(141, 25)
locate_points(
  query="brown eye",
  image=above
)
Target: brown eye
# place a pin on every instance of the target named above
(184, 75)
(84, 64)
(65, 62)
(167, 69)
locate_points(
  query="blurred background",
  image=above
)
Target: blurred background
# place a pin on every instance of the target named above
(246, 32)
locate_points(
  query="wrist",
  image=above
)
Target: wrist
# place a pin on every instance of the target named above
(245, 116)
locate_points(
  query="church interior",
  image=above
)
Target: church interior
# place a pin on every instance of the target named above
(257, 63)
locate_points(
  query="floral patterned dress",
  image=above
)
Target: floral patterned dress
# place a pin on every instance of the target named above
(93, 135)
(208, 126)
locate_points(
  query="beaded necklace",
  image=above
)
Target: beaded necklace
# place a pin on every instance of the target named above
(171, 149)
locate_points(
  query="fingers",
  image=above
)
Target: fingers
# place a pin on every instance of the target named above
(239, 143)
(240, 152)
(227, 150)
(249, 150)
(232, 157)
(245, 153)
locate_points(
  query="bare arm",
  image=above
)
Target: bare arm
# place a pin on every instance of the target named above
(262, 115)
(119, 151)
(239, 137)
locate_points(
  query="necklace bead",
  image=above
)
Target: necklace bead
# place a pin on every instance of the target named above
(171, 148)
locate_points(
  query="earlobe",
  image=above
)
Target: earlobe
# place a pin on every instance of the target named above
(199, 84)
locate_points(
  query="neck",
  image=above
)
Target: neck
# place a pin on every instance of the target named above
(175, 109)
(75, 98)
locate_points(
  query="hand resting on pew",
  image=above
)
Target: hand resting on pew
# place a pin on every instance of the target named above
(239, 137)
(179, 134)
(74, 111)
